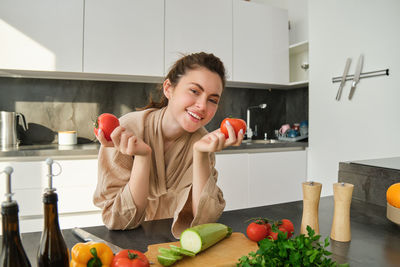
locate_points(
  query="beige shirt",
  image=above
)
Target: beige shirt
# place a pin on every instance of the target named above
(170, 183)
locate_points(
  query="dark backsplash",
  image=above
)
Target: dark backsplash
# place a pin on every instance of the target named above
(51, 105)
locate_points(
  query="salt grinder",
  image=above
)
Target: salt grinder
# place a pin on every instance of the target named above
(311, 195)
(341, 217)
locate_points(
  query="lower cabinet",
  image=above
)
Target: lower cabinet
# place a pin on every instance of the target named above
(75, 187)
(257, 179)
(233, 179)
(246, 180)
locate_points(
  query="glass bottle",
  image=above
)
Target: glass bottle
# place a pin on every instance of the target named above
(52, 249)
(12, 251)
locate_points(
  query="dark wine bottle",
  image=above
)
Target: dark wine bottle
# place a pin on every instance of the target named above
(12, 251)
(52, 249)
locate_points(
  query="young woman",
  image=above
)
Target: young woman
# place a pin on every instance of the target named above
(160, 162)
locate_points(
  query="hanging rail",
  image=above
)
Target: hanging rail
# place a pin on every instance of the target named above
(369, 74)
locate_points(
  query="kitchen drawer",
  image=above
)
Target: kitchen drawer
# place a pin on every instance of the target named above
(29, 201)
(76, 199)
(26, 175)
(75, 173)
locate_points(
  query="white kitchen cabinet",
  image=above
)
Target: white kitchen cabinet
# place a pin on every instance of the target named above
(276, 177)
(260, 43)
(41, 35)
(75, 187)
(256, 179)
(195, 26)
(233, 179)
(124, 37)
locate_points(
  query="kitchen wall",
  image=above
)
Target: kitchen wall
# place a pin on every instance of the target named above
(367, 126)
(51, 105)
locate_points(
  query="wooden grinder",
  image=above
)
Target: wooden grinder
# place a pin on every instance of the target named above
(311, 195)
(341, 218)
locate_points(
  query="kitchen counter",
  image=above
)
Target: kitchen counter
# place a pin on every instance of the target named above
(91, 150)
(375, 240)
(371, 178)
(388, 163)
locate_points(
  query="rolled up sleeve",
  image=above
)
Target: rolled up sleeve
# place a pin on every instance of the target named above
(112, 193)
(210, 207)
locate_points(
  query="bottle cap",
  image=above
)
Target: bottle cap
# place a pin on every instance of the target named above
(8, 171)
(50, 175)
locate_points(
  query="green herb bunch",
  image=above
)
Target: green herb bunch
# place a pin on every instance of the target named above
(299, 251)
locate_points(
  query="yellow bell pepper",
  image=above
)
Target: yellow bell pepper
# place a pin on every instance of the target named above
(91, 254)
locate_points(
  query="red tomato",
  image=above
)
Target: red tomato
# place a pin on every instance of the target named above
(274, 235)
(130, 258)
(107, 123)
(258, 230)
(237, 124)
(288, 225)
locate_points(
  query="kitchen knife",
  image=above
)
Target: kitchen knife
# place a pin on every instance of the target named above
(86, 236)
(343, 81)
(356, 76)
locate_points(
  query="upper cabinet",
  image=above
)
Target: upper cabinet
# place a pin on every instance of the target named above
(260, 43)
(41, 35)
(138, 41)
(124, 37)
(195, 26)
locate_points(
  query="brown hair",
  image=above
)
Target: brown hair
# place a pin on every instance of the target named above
(181, 66)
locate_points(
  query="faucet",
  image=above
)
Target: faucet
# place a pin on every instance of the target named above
(249, 131)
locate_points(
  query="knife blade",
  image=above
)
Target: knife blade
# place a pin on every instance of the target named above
(356, 76)
(343, 81)
(86, 236)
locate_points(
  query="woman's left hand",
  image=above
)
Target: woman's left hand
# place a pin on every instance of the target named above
(216, 141)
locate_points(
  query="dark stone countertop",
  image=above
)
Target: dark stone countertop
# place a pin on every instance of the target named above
(371, 178)
(375, 240)
(91, 150)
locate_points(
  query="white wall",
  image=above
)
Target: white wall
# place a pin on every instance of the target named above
(368, 126)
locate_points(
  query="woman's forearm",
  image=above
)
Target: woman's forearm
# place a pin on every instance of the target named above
(139, 182)
(201, 173)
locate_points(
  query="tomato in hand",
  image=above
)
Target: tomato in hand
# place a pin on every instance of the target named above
(237, 124)
(106, 122)
(130, 258)
(258, 230)
(288, 225)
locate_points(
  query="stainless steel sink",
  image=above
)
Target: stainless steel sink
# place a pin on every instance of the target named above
(268, 141)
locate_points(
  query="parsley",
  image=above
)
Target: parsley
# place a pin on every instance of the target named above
(299, 251)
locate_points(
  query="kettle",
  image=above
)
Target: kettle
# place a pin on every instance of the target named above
(8, 129)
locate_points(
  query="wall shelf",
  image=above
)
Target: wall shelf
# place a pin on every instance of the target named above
(298, 56)
(298, 48)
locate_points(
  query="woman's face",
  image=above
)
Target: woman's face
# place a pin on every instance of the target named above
(194, 100)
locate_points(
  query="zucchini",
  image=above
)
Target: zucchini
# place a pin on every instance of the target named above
(203, 236)
(182, 251)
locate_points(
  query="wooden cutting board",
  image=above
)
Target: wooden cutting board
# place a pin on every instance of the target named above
(224, 253)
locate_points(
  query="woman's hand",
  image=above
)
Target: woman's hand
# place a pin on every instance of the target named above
(125, 142)
(216, 141)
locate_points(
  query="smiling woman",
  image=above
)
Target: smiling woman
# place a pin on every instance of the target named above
(160, 160)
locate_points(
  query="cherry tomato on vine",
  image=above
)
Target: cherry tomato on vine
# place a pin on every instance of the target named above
(258, 230)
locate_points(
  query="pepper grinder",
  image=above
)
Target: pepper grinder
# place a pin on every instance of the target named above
(311, 195)
(341, 217)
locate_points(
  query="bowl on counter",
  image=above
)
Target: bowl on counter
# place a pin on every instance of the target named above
(393, 214)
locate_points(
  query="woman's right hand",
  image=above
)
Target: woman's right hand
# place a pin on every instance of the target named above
(125, 142)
